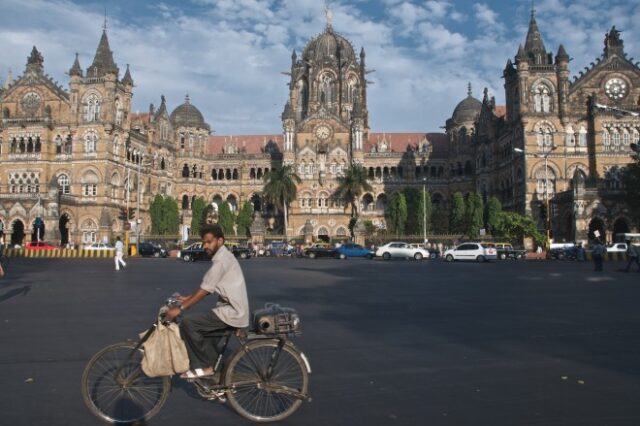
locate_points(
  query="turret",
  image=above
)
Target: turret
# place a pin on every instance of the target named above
(562, 71)
(127, 80)
(75, 70)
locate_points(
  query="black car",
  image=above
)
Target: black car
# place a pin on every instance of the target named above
(150, 249)
(321, 250)
(241, 252)
(192, 253)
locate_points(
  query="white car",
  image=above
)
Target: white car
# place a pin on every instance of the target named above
(617, 248)
(471, 251)
(401, 250)
(99, 246)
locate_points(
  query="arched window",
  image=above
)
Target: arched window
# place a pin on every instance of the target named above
(615, 140)
(544, 137)
(64, 185)
(543, 179)
(89, 184)
(119, 112)
(90, 142)
(89, 230)
(92, 108)
(185, 202)
(570, 138)
(325, 92)
(582, 140)
(542, 98)
(626, 138)
(606, 139)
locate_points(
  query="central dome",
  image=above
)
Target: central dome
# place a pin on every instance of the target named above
(467, 110)
(327, 47)
(187, 115)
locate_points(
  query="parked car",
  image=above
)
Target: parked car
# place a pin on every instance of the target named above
(506, 251)
(471, 251)
(354, 250)
(241, 252)
(151, 249)
(40, 245)
(401, 250)
(99, 246)
(617, 248)
(192, 253)
(562, 251)
(320, 250)
(434, 253)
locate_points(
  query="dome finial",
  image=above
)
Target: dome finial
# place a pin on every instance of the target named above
(328, 15)
(187, 99)
(469, 89)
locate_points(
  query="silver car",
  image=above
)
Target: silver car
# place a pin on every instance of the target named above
(401, 250)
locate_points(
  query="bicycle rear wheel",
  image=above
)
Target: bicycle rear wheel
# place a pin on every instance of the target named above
(266, 399)
(123, 397)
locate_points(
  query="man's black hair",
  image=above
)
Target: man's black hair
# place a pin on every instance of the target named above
(213, 229)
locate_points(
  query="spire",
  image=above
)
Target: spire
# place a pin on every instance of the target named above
(9, 81)
(288, 112)
(35, 61)
(75, 70)
(534, 46)
(103, 61)
(294, 57)
(521, 55)
(562, 55)
(127, 77)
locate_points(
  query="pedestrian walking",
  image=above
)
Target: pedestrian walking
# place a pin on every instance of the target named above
(119, 254)
(598, 254)
(633, 256)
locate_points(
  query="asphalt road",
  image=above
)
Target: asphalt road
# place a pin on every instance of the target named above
(390, 343)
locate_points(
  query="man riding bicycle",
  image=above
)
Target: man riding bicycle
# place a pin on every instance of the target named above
(224, 278)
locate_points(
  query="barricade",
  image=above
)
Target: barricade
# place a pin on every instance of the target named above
(615, 257)
(60, 253)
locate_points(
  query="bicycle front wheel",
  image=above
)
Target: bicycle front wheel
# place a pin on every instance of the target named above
(262, 397)
(116, 390)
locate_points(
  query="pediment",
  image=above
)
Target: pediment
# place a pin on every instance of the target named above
(338, 152)
(306, 152)
(592, 75)
(18, 210)
(43, 83)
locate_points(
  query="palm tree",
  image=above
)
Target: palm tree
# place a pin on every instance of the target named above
(352, 185)
(280, 188)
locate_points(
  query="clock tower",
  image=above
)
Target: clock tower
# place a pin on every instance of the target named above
(325, 123)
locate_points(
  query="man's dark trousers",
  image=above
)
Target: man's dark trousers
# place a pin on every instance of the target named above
(196, 329)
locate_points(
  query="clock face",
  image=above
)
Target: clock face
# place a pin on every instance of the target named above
(616, 88)
(323, 132)
(31, 102)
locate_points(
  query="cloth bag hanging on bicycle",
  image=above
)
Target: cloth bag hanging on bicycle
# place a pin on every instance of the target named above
(165, 353)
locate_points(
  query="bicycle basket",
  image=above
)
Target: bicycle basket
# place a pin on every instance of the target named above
(274, 319)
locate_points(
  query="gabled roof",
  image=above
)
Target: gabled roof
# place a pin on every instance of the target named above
(34, 76)
(248, 144)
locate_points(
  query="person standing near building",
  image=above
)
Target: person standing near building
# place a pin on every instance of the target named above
(119, 254)
(633, 256)
(598, 254)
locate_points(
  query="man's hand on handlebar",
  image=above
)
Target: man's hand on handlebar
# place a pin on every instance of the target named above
(171, 314)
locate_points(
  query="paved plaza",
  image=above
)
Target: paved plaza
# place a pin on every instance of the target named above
(390, 343)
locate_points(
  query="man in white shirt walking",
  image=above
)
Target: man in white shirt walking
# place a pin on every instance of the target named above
(119, 254)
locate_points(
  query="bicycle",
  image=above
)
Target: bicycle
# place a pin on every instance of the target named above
(265, 379)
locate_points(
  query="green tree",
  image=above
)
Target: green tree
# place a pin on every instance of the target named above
(156, 212)
(457, 215)
(491, 213)
(474, 212)
(225, 218)
(198, 207)
(398, 213)
(352, 185)
(515, 227)
(280, 188)
(244, 219)
(631, 183)
(170, 217)
(412, 197)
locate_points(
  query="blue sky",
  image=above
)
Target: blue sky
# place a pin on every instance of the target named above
(229, 54)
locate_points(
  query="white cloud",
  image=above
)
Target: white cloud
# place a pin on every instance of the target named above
(230, 54)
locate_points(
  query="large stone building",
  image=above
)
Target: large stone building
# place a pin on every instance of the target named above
(75, 157)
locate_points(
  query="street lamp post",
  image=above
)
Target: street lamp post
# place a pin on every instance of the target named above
(424, 210)
(544, 155)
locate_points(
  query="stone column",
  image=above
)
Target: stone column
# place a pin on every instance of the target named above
(257, 230)
(308, 232)
(359, 232)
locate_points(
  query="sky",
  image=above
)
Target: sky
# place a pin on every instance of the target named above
(229, 55)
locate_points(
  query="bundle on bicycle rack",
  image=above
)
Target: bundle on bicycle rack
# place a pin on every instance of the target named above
(273, 319)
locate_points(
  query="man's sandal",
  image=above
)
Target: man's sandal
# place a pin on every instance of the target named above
(196, 373)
